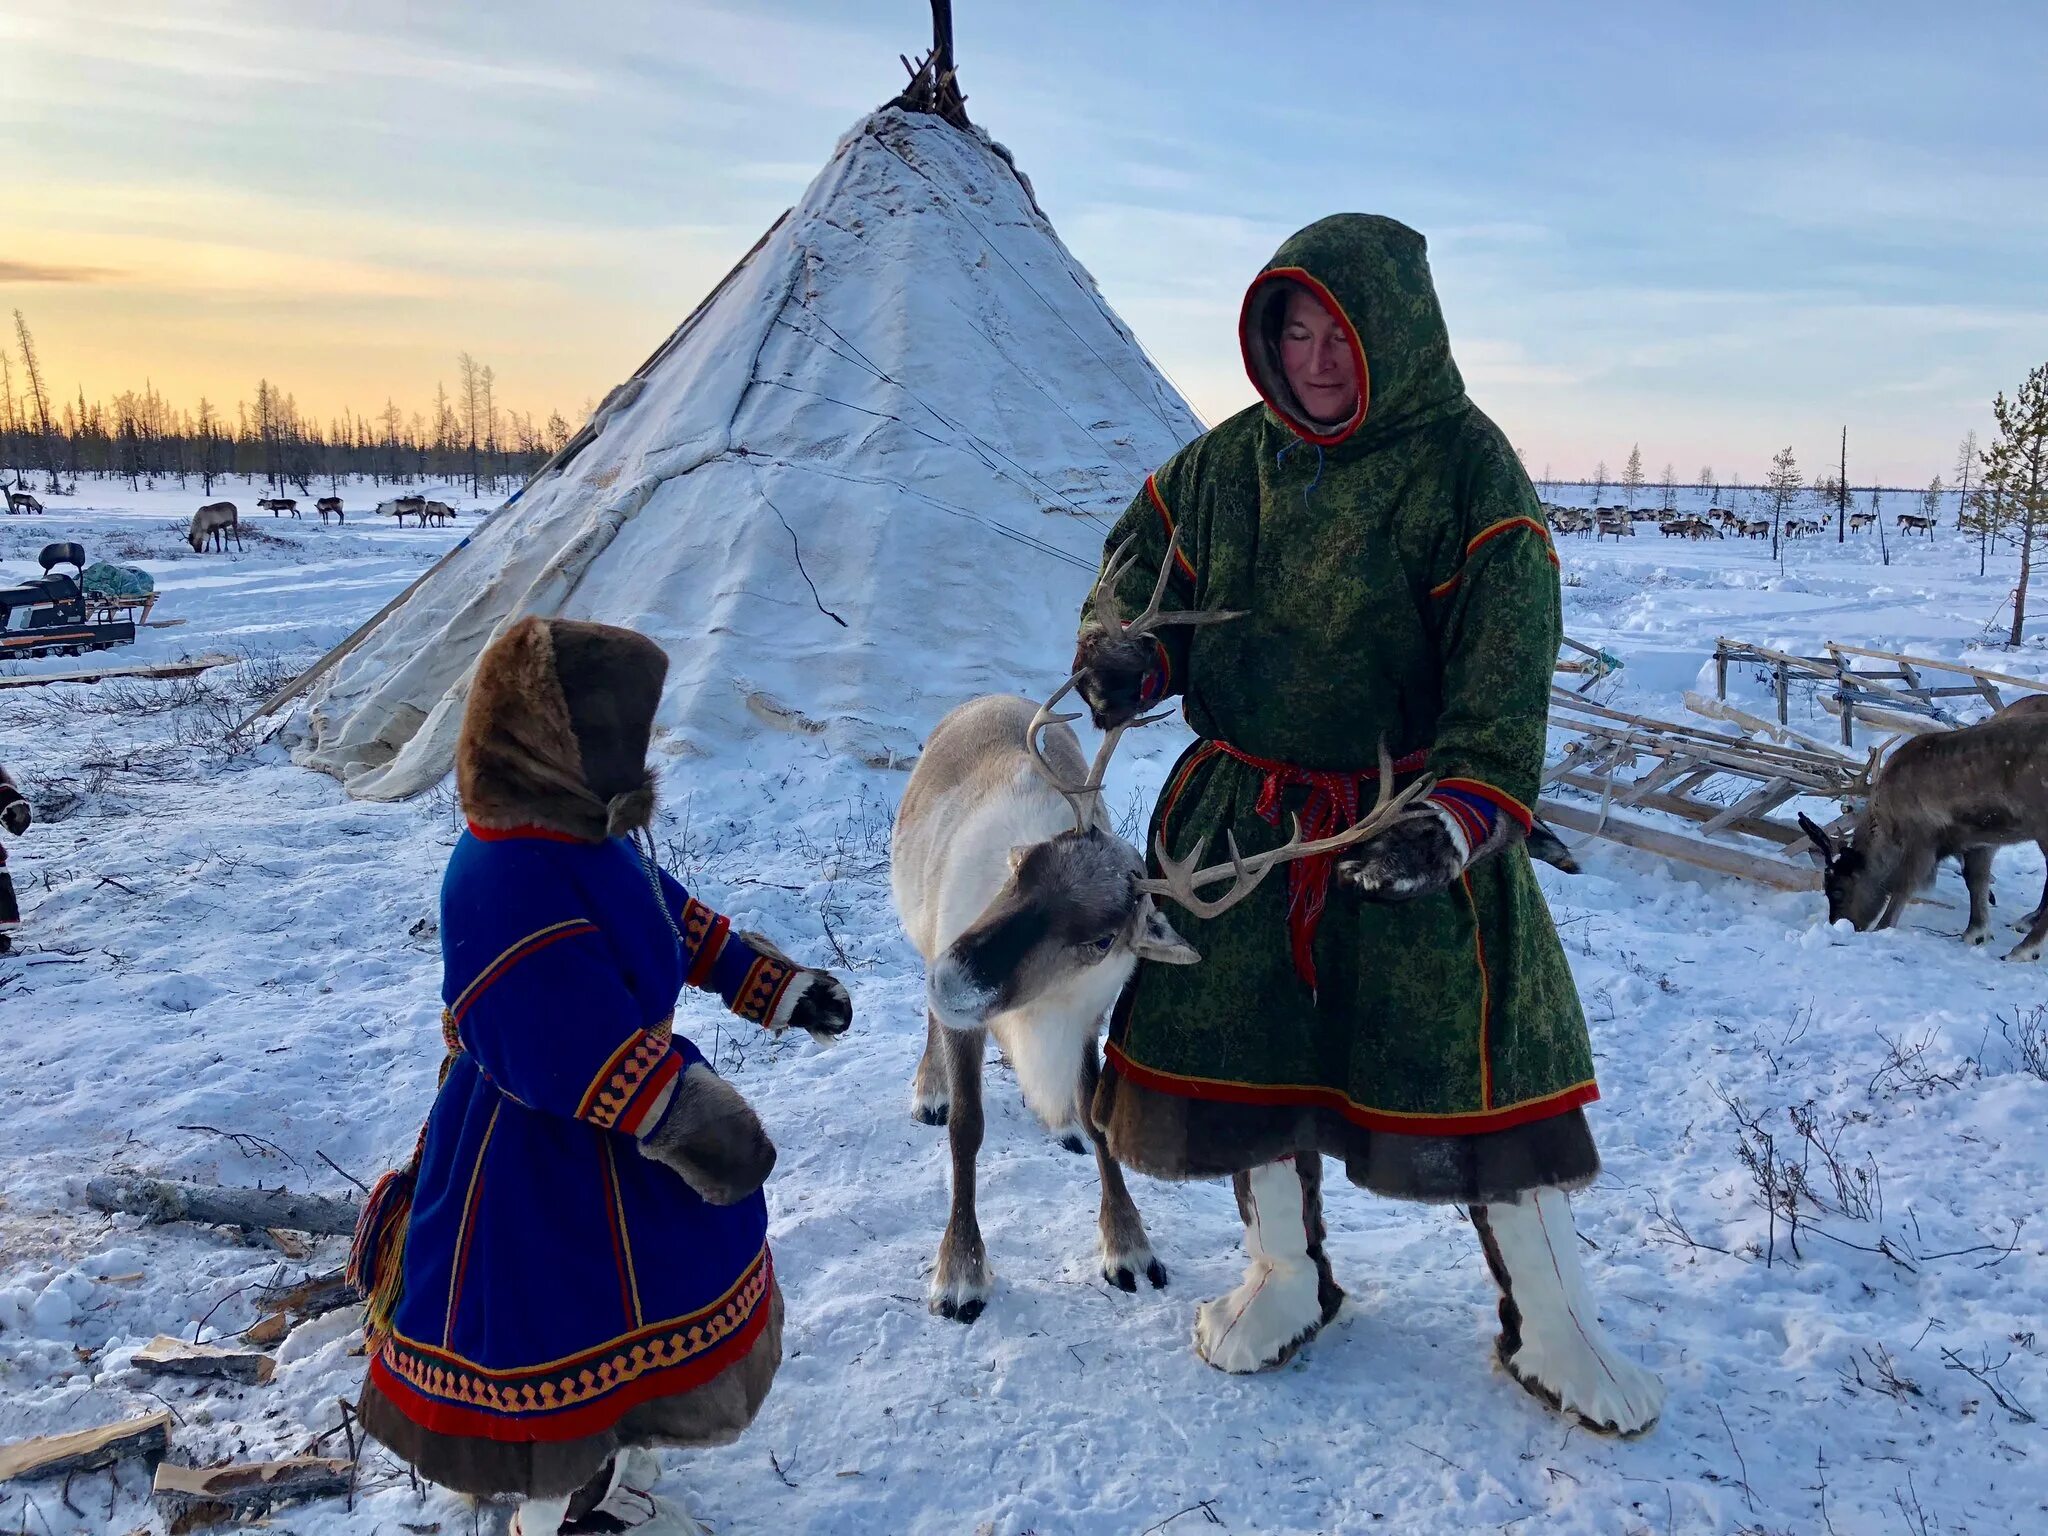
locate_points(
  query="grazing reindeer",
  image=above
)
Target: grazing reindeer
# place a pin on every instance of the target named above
(1952, 794)
(1912, 522)
(276, 504)
(327, 504)
(439, 512)
(1031, 913)
(1858, 521)
(20, 501)
(215, 521)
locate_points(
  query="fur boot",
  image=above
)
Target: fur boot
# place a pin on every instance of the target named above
(1288, 1292)
(1551, 1340)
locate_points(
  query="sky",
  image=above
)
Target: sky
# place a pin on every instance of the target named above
(1711, 231)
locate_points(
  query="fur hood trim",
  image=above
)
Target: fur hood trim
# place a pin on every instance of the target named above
(556, 730)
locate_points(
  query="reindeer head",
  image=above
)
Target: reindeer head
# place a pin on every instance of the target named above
(1065, 931)
(1077, 913)
(1854, 885)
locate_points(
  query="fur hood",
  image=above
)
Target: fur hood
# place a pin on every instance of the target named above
(556, 730)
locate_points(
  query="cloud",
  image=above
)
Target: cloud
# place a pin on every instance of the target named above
(37, 272)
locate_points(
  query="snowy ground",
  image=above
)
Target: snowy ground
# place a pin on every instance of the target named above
(218, 942)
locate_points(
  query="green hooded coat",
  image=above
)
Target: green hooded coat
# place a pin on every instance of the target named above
(1399, 586)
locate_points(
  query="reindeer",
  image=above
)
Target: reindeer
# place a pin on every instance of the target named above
(20, 501)
(439, 512)
(327, 504)
(402, 507)
(1954, 794)
(276, 504)
(215, 521)
(1858, 521)
(1030, 914)
(1912, 522)
(1616, 524)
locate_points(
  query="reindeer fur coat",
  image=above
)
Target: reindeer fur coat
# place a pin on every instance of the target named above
(1400, 585)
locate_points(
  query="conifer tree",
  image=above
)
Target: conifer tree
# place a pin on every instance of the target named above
(1632, 476)
(1781, 488)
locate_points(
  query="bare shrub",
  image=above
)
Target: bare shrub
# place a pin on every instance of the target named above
(2027, 1033)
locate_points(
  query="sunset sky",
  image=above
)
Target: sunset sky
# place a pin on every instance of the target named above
(1713, 231)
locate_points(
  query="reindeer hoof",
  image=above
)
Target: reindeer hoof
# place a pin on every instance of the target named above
(933, 1109)
(1123, 1271)
(1976, 938)
(959, 1311)
(1072, 1141)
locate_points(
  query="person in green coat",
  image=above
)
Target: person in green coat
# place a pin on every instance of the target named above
(1403, 1005)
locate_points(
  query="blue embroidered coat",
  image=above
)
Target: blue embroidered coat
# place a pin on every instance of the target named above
(554, 1277)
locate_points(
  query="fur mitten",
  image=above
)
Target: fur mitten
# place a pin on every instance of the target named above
(1116, 675)
(1416, 856)
(712, 1137)
(814, 1001)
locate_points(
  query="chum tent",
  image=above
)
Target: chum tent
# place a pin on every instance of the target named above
(867, 478)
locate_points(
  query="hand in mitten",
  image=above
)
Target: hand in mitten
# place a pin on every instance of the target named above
(712, 1137)
(1115, 675)
(13, 808)
(813, 1001)
(1415, 856)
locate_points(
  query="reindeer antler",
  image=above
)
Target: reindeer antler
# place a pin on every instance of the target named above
(1182, 878)
(1102, 601)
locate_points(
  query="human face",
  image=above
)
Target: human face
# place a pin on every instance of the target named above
(1317, 360)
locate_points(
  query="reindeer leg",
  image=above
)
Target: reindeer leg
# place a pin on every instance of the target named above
(2034, 916)
(930, 1091)
(1126, 1250)
(1977, 878)
(2029, 948)
(961, 1281)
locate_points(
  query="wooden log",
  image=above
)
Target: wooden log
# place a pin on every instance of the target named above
(88, 1450)
(192, 1496)
(2032, 684)
(285, 1309)
(101, 674)
(159, 1201)
(1677, 805)
(1779, 735)
(174, 1357)
(1780, 874)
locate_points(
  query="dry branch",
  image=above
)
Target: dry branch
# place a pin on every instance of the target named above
(89, 1450)
(159, 1201)
(315, 1296)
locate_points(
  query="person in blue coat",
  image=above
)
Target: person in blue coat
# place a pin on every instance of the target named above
(575, 1270)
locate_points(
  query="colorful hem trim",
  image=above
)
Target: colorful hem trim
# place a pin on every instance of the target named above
(1398, 1122)
(585, 1394)
(1329, 301)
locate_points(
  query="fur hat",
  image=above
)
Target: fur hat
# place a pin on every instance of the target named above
(556, 730)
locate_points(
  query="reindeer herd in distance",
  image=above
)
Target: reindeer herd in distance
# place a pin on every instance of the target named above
(1719, 523)
(218, 521)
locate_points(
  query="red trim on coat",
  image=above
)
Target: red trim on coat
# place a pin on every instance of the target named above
(544, 834)
(533, 944)
(1329, 301)
(1395, 1122)
(1499, 797)
(1180, 552)
(1494, 530)
(708, 952)
(575, 1423)
(650, 1091)
(1485, 998)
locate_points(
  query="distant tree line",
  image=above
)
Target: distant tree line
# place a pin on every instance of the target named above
(143, 438)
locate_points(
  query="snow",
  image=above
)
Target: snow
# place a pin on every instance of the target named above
(220, 939)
